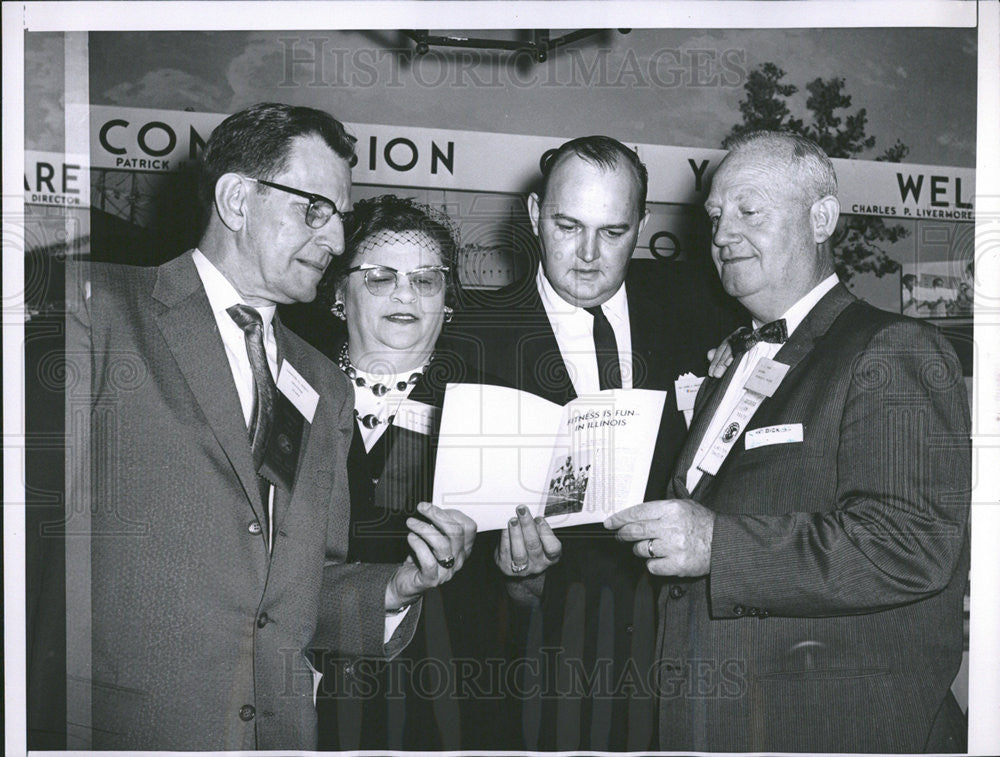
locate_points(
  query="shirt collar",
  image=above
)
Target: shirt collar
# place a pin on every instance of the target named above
(615, 306)
(220, 291)
(797, 312)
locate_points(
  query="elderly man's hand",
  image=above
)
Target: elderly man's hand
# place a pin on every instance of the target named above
(440, 545)
(674, 536)
(527, 546)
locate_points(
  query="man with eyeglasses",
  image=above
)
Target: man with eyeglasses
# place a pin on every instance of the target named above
(217, 501)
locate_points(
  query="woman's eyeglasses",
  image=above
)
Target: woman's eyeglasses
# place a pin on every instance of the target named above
(382, 280)
(320, 209)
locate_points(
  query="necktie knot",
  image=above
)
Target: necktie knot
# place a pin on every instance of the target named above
(744, 338)
(246, 317)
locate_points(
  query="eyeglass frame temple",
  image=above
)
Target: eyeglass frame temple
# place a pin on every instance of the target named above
(311, 196)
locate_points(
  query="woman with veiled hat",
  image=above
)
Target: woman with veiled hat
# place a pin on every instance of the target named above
(393, 288)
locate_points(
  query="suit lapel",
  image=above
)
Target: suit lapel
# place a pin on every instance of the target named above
(709, 398)
(814, 326)
(188, 326)
(316, 444)
(799, 345)
(543, 369)
(409, 455)
(638, 322)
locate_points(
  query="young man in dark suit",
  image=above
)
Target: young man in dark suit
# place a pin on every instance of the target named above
(815, 543)
(578, 325)
(209, 522)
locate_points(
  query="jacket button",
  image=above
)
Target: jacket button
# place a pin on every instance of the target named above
(739, 610)
(676, 592)
(254, 527)
(247, 712)
(763, 614)
(753, 612)
(262, 620)
(629, 628)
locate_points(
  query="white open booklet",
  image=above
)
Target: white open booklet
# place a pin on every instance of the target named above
(499, 448)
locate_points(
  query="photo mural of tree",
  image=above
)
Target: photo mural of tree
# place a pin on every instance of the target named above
(860, 243)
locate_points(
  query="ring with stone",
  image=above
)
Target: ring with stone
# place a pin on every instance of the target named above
(448, 562)
(515, 568)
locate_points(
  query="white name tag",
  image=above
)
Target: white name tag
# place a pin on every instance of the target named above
(731, 430)
(297, 389)
(786, 433)
(686, 388)
(418, 417)
(766, 376)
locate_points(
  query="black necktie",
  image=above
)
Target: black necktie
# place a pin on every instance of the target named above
(265, 392)
(743, 338)
(609, 370)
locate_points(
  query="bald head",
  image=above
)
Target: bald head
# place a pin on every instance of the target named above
(802, 161)
(773, 208)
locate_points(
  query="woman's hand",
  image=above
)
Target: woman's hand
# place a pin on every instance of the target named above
(441, 544)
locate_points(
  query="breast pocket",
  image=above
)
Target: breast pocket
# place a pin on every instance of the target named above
(776, 478)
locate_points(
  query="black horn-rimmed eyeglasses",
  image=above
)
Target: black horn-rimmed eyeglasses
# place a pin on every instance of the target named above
(320, 209)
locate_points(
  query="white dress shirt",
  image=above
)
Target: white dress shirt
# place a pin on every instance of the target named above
(574, 331)
(221, 296)
(744, 369)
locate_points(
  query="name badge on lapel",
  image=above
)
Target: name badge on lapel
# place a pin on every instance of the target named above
(418, 417)
(786, 433)
(763, 382)
(291, 384)
(686, 388)
(766, 377)
(296, 404)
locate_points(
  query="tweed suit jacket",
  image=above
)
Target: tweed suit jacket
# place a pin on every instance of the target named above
(599, 604)
(831, 619)
(197, 635)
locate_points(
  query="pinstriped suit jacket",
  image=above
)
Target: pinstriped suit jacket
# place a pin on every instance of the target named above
(832, 616)
(198, 634)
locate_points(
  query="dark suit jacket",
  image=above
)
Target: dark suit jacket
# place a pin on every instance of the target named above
(440, 693)
(599, 602)
(832, 616)
(196, 633)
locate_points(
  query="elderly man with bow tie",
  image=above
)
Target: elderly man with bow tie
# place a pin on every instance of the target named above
(815, 548)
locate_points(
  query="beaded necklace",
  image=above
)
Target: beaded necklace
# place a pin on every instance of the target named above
(378, 389)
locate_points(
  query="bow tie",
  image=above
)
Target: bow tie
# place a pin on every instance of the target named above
(743, 338)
